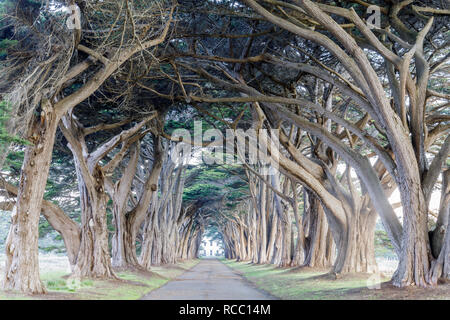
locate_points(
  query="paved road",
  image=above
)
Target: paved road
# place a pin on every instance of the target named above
(208, 280)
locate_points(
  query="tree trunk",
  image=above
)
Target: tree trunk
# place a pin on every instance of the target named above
(319, 245)
(262, 254)
(145, 259)
(286, 242)
(22, 264)
(124, 241)
(93, 260)
(255, 235)
(67, 228)
(356, 252)
(150, 244)
(185, 240)
(414, 264)
(277, 244)
(440, 236)
(441, 266)
(273, 236)
(299, 249)
(124, 244)
(251, 234)
(243, 246)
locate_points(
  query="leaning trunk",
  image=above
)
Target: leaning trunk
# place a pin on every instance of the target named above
(22, 265)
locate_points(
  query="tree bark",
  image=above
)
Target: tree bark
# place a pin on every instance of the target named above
(148, 206)
(94, 260)
(319, 245)
(440, 236)
(414, 264)
(262, 245)
(66, 227)
(123, 244)
(22, 264)
(299, 249)
(441, 266)
(356, 251)
(286, 242)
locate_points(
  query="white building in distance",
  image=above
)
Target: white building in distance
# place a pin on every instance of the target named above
(211, 248)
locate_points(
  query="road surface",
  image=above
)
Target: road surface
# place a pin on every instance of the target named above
(210, 279)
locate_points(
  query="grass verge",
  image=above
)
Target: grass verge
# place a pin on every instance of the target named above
(309, 284)
(131, 285)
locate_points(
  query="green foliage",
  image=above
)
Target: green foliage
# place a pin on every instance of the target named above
(235, 195)
(52, 189)
(383, 245)
(382, 239)
(214, 182)
(213, 174)
(53, 248)
(14, 161)
(5, 137)
(5, 44)
(44, 227)
(4, 6)
(213, 232)
(173, 125)
(200, 191)
(237, 184)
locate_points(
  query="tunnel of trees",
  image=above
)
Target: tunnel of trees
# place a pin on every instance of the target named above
(115, 132)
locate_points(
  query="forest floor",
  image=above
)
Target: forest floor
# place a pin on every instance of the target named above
(311, 284)
(131, 285)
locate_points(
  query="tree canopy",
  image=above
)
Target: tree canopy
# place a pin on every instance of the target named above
(300, 120)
